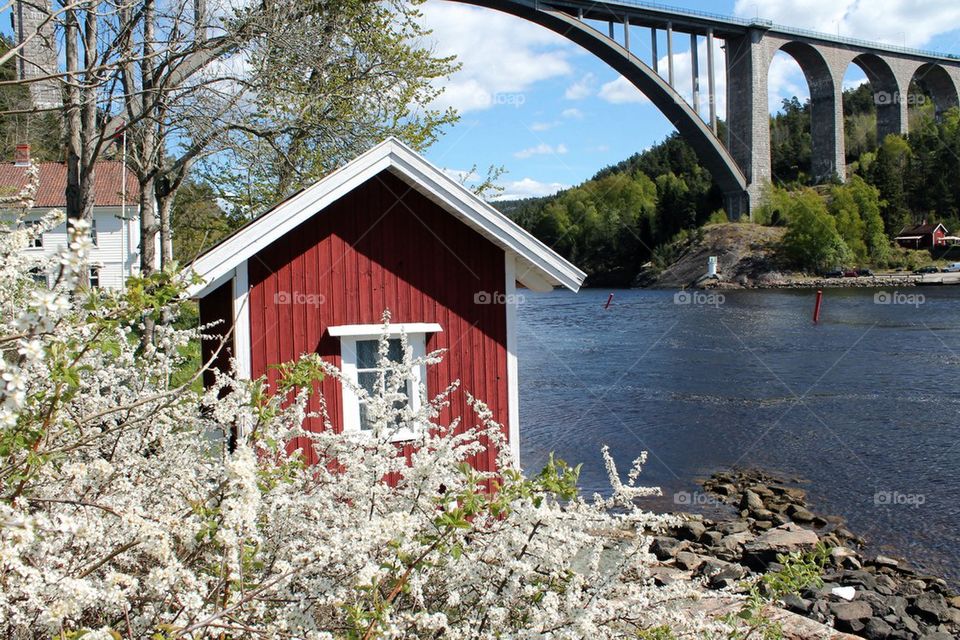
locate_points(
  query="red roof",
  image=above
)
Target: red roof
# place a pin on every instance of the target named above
(107, 183)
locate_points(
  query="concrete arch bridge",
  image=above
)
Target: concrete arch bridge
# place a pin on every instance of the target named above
(740, 164)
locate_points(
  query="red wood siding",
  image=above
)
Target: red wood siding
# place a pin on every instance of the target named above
(384, 246)
(217, 306)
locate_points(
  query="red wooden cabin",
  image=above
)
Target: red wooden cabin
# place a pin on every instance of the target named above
(387, 231)
(923, 236)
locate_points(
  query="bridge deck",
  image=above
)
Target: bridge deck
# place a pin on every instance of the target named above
(656, 15)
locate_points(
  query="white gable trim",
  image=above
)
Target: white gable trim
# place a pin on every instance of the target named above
(513, 380)
(430, 181)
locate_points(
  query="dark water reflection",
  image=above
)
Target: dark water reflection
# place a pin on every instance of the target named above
(863, 407)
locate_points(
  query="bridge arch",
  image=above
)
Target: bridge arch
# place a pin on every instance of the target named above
(938, 84)
(886, 94)
(709, 149)
(826, 120)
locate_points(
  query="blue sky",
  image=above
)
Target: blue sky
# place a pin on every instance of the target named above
(552, 115)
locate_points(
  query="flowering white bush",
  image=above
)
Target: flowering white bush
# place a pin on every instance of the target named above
(124, 514)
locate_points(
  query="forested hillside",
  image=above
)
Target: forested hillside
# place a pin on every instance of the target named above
(631, 213)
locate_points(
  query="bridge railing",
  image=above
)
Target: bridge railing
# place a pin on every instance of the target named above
(770, 25)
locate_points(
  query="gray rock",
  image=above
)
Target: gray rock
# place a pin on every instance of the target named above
(932, 607)
(725, 489)
(863, 578)
(736, 541)
(689, 561)
(667, 548)
(800, 514)
(751, 501)
(910, 625)
(691, 530)
(885, 561)
(937, 635)
(734, 526)
(763, 525)
(795, 603)
(784, 539)
(877, 629)
(849, 611)
(711, 538)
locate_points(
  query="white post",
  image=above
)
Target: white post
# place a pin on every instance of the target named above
(123, 216)
(626, 33)
(670, 53)
(513, 384)
(711, 82)
(695, 71)
(653, 46)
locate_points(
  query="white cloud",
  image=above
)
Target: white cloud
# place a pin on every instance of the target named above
(572, 114)
(620, 91)
(500, 55)
(542, 149)
(891, 21)
(785, 81)
(543, 126)
(582, 88)
(528, 188)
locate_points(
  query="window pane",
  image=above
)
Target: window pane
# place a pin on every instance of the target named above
(368, 381)
(367, 355)
(365, 423)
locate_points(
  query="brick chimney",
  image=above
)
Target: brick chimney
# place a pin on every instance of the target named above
(21, 157)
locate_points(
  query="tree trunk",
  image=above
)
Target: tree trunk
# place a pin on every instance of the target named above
(148, 226)
(74, 123)
(165, 207)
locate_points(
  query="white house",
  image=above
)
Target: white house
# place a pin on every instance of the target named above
(116, 215)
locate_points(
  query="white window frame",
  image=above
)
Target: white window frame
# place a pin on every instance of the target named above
(98, 270)
(416, 333)
(33, 246)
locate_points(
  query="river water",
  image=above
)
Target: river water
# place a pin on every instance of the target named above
(862, 408)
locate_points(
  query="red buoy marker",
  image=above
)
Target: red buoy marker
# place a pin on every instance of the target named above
(818, 306)
(609, 302)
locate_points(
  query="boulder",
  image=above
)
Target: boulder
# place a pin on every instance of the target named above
(733, 526)
(689, 561)
(885, 561)
(795, 603)
(667, 548)
(877, 629)
(751, 501)
(850, 611)
(800, 514)
(931, 607)
(711, 538)
(736, 541)
(691, 530)
(783, 539)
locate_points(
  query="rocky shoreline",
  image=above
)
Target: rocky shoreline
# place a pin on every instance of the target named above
(870, 596)
(782, 281)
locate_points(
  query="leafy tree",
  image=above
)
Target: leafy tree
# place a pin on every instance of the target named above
(198, 221)
(812, 241)
(889, 175)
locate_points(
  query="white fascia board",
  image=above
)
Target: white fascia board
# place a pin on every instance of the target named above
(415, 171)
(376, 330)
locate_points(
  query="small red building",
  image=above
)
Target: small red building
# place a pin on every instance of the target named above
(387, 231)
(923, 236)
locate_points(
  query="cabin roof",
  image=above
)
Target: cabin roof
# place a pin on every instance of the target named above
(920, 230)
(107, 183)
(538, 266)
